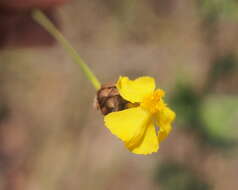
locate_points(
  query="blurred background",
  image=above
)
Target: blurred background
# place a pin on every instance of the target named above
(52, 138)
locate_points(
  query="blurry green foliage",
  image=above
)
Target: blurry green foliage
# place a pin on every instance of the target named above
(3, 112)
(121, 9)
(212, 118)
(172, 175)
(186, 103)
(222, 67)
(214, 9)
(220, 115)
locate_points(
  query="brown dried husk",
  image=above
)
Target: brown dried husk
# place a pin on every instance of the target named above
(109, 100)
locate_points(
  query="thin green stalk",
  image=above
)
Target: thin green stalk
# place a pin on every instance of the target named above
(42, 19)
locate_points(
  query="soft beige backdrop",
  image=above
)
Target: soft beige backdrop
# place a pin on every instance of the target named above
(53, 138)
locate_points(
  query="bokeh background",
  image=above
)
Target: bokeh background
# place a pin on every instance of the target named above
(52, 138)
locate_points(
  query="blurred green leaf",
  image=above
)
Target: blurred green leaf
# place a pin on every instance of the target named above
(226, 9)
(4, 112)
(171, 176)
(220, 115)
(223, 66)
(209, 118)
(186, 103)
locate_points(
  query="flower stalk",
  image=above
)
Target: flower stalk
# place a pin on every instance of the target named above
(42, 19)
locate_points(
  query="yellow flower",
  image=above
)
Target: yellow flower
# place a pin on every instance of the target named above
(135, 126)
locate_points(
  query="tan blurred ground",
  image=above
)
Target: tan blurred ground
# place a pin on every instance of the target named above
(53, 138)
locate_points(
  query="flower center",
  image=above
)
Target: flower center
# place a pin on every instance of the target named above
(154, 102)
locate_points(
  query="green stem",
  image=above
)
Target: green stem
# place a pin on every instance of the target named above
(42, 19)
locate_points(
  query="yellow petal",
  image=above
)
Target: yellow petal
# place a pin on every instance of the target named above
(164, 119)
(135, 90)
(149, 143)
(128, 125)
(165, 116)
(164, 132)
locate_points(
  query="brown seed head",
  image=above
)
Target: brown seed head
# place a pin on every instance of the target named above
(109, 99)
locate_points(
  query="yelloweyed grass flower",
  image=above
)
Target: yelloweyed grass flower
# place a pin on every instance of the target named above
(146, 112)
(133, 114)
